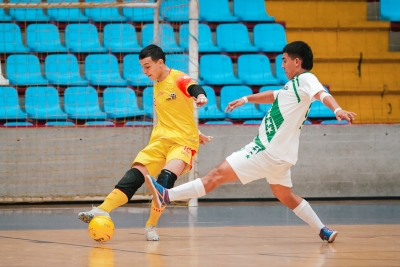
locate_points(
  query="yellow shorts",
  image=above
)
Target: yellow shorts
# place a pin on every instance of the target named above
(159, 152)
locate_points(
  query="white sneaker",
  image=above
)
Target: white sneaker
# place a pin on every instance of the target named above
(150, 233)
(87, 216)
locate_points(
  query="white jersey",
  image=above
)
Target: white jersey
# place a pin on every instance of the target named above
(280, 129)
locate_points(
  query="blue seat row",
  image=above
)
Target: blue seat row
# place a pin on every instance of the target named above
(123, 38)
(390, 10)
(103, 70)
(42, 103)
(171, 10)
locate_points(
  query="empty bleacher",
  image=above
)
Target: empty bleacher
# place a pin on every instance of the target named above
(98, 48)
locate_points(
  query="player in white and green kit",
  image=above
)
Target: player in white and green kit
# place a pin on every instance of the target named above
(274, 150)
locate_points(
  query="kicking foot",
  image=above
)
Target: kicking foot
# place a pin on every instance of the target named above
(87, 216)
(160, 194)
(327, 234)
(150, 233)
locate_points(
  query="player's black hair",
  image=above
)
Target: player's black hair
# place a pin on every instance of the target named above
(153, 51)
(301, 50)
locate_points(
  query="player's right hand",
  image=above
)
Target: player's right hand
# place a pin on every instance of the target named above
(345, 115)
(234, 104)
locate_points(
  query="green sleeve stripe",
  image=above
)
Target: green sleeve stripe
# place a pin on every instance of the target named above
(295, 90)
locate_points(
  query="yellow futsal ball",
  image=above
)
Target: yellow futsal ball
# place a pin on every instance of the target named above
(101, 228)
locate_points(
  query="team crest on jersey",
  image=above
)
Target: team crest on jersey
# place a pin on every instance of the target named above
(172, 96)
(285, 88)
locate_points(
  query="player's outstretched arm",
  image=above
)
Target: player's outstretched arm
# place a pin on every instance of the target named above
(260, 98)
(329, 101)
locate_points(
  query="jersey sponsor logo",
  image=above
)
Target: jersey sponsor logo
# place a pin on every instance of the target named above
(172, 96)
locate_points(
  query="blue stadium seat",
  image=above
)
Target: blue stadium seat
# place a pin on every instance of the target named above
(279, 71)
(139, 14)
(218, 123)
(148, 101)
(63, 70)
(307, 122)
(59, 123)
(28, 14)
(121, 38)
(138, 123)
(319, 111)
(166, 37)
(82, 103)
(132, 71)
(83, 38)
(217, 69)
(269, 37)
(103, 70)
(265, 107)
(253, 10)
(44, 38)
(103, 14)
(9, 104)
(11, 39)
(43, 103)
(390, 10)
(334, 122)
(255, 70)
(237, 42)
(121, 103)
(174, 10)
(247, 111)
(205, 38)
(178, 62)
(24, 70)
(252, 122)
(66, 14)
(99, 123)
(210, 110)
(3, 15)
(216, 11)
(18, 124)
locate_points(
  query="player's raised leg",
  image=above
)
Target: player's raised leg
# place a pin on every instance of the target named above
(124, 190)
(303, 210)
(162, 196)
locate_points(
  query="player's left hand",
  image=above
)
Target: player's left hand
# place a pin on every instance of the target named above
(204, 138)
(201, 100)
(345, 115)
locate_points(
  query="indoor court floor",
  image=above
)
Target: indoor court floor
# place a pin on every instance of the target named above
(213, 234)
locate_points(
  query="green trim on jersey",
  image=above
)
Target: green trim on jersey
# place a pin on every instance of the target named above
(259, 143)
(273, 120)
(295, 89)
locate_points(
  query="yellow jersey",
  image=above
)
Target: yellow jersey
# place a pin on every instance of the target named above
(175, 111)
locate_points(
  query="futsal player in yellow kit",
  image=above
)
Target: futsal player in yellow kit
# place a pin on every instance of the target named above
(173, 143)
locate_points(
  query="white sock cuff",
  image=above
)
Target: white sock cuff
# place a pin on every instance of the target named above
(300, 207)
(199, 187)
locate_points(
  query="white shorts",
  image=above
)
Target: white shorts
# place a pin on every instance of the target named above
(250, 163)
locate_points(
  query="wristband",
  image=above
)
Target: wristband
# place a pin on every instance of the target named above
(336, 110)
(245, 99)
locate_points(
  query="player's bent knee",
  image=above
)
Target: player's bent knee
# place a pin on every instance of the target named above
(131, 182)
(167, 178)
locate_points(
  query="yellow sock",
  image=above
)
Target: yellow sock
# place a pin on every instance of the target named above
(155, 214)
(115, 199)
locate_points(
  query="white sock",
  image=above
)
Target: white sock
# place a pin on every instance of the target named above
(191, 189)
(307, 214)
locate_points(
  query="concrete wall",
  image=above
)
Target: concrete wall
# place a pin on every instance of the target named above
(53, 164)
